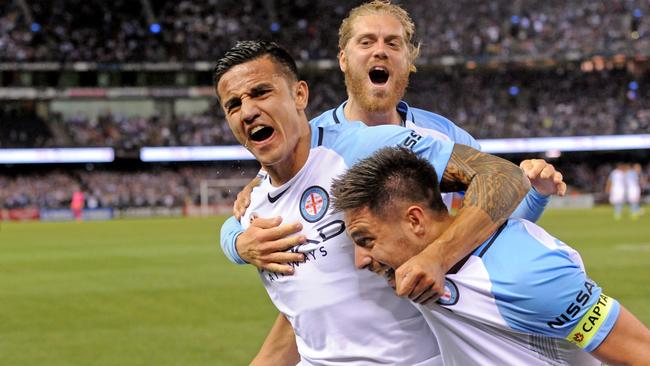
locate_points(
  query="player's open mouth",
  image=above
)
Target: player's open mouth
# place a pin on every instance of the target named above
(378, 75)
(260, 133)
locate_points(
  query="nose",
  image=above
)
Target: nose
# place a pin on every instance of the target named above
(379, 50)
(362, 257)
(249, 111)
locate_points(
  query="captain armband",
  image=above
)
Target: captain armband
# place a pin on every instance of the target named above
(591, 322)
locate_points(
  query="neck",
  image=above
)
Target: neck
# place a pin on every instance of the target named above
(353, 111)
(282, 171)
(439, 222)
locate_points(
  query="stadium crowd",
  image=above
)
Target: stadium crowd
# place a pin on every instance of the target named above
(121, 31)
(116, 189)
(175, 187)
(487, 104)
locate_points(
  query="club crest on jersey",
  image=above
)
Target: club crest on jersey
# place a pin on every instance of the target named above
(450, 296)
(314, 203)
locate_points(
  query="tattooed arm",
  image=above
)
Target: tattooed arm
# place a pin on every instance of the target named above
(493, 189)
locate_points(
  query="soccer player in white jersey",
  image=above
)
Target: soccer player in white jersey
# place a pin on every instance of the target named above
(521, 298)
(264, 103)
(633, 189)
(616, 189)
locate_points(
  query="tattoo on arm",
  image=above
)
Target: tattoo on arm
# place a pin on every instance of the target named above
(492, 184)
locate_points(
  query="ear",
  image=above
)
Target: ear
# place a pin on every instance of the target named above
(302, 94)
(342, 61)
(416, 220)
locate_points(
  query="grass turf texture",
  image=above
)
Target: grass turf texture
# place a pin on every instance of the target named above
(159, 291)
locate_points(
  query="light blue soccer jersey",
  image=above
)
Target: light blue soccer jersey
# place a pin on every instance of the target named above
(424, 123)
(342, 315)
(522, 298)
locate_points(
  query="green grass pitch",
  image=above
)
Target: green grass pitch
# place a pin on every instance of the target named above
(159, 291)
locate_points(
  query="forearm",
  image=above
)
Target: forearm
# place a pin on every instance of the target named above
(494, 189)
(279, 347)
(532, 207)
(230, 230)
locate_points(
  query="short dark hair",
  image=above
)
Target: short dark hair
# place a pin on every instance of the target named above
(391, 173)
(245, 51)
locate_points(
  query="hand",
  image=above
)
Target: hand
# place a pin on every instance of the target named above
(244, 199)
(421, 278)
(265, 242)
(543, 177)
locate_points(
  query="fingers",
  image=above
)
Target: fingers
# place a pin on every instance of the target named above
(561, 190)
(278, 268)
(284, 258)
(427, 296)
(266, 223)
(537, 168)
(285, 243)
(532, 167)
(241, 204)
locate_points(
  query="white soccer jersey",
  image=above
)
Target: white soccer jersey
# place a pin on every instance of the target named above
(617, 186)
(341, 315)
(632, 186)
(522, 298)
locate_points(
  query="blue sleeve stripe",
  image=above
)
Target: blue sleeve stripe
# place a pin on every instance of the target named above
(230, 230)
(532, 206)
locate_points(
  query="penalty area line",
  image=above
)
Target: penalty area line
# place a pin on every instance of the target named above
(633, 247)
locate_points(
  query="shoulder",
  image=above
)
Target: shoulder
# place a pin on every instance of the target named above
(326, 118)
(433, 121)
(538, 282)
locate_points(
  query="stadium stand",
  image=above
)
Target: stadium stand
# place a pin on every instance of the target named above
(499, 69)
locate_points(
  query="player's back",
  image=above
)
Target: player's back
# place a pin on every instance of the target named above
(518, 300)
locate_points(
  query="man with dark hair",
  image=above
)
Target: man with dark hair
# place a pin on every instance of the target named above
(265, 109)
(521, 298)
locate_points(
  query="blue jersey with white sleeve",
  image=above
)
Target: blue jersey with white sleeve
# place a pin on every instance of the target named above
(522, 298)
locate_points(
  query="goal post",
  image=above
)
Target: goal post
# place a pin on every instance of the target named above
(212, 201)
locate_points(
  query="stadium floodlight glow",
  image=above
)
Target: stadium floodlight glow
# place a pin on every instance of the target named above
(513, 90)
(154, 28)
(57, 155)
(633, 85)
(35, 27)
(194, 153)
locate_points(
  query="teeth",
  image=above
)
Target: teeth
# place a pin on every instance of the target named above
(256, 128)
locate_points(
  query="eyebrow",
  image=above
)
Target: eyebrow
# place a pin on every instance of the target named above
(254, 91)
(357, 235)
(231, 103)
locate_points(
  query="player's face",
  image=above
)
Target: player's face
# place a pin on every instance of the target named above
(263, 109)
(380, 245)
(376, 62)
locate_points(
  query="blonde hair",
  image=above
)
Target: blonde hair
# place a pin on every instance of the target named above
(381, 7)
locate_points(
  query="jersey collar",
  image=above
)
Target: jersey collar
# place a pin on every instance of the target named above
(402, 108)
